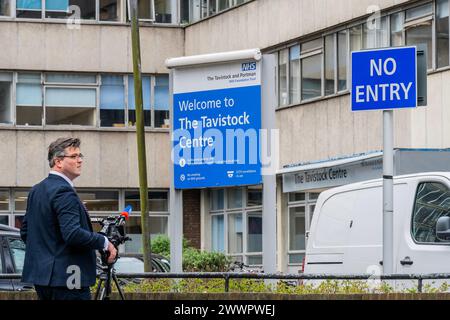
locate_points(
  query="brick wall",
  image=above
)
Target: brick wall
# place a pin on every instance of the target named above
(191, 217)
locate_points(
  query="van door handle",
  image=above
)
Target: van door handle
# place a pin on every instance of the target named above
(406, 261)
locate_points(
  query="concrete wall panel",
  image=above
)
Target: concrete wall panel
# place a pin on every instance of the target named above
(31, 157)
(8, 156)
(92, 48)
(267, 24)
(110, 158)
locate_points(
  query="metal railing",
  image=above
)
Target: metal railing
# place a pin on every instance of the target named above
(227, 276)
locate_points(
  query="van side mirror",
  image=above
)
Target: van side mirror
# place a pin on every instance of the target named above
(443, 229)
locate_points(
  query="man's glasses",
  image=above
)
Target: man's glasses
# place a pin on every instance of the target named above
(73, 156)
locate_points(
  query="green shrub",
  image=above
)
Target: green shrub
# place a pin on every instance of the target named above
(195, 260)
(279, 287)
(161, 245)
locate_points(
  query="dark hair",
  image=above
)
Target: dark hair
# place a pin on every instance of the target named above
(56, 148)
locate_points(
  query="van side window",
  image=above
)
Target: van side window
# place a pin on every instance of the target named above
(17, 247)
(432, 202)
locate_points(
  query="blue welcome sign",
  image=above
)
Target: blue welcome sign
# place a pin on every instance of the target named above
(384, 79)
(216, 125)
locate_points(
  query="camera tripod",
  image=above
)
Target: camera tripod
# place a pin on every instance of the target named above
(104, 287)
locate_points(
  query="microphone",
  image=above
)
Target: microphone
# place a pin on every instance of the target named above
(125, 214)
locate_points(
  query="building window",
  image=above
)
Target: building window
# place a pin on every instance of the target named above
(103, 10)
(254, 196)
(163, 11)
(375, 33)
(442, 33)
(70, 99)
(63, 9)
(158, 202)
(4, 200)
(283, 96)
(300, 212)
(420, 11)
(112, 101)
(194, 10)
(146, 101)
(311, 69)
(146, 10)
(330, 64)
(235, 234)
(254, 232)
(161, 106)
(294, 74)
(158, 226)
(234, 200)
(418, 29)
(29, 9)
(397, 20)
(356, 38)
(217, 199)
(208, 8)
(20, 200)
(432, 202)
(4, 219)
(297, 233)
(100, 200)
(110, 10)
(20, 206)
(5, 97)
(29, 99)
(5, 7)
(217, 233)
(342, 60)
(237, 230)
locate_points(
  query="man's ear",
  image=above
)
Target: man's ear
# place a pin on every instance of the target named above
(57, 163)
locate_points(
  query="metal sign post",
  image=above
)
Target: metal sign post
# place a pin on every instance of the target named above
(388, 191)
(386, 79)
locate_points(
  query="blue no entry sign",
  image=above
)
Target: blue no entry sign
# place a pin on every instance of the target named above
(384, 79)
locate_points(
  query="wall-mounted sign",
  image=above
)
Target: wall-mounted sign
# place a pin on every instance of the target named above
(384, 79)
(216, 123)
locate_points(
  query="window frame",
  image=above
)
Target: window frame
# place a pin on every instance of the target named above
(307, 203)
(121, 20)
(411, 223)
(313, 52)
(245, 211)
(435, 37)
(7, 240)
(44, 85)
(68, 85)
(15, 105)
(12, 99)
(125, 100)
(122, 202)
(153, 15)
(112, 212)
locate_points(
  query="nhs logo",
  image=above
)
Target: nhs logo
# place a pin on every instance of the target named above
(248, 66)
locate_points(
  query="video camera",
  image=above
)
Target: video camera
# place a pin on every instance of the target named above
(113, 228)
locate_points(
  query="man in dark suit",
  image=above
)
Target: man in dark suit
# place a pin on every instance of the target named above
(60, 257)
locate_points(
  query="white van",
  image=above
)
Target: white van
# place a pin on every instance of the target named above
(346, 231)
